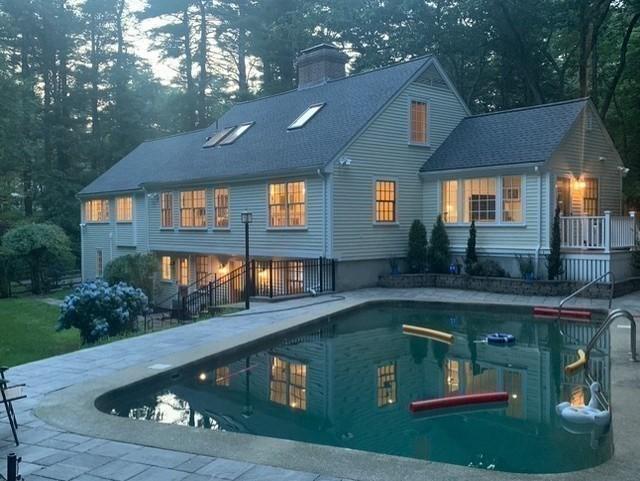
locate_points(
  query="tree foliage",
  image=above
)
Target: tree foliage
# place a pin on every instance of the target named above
(471, 257)
(438, 253)
(554, 261)
(417, 255)
(136, 270)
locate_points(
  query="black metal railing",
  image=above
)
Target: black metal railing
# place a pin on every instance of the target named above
(277, 278)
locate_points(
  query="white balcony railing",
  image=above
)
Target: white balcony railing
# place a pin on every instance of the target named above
(604, 232)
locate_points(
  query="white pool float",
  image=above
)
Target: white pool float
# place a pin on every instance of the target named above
(589, 414)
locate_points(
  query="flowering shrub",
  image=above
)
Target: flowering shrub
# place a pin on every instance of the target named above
(99, 310)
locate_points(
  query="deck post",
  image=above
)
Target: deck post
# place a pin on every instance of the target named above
(321, 283)
(271, 278)
(634, 226)
(607, 231)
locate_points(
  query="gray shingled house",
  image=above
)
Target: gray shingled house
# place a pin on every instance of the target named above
(340, 167)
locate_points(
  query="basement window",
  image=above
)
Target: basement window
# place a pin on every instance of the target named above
(217, 137)
(236, 133)
(305, 117)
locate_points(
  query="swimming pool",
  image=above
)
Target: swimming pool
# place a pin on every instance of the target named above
(347, 381)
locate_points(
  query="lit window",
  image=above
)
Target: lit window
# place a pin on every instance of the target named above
(192, 209)
(386, 385)
(590, 197)
(124, 209)
(203, 271)
(512, 198)
(221, 197)
(563, 195)
(183, 272)
(450, 201)
(452, 376)
(305, 117)
(96, 210)
(166, 268)
(288, 383)
(222, 376)
(217, 137)
(99, 263)
(166, 209)
(480, 200)
(287, 204)
(237, 132)
(419, 119)
(385, 201)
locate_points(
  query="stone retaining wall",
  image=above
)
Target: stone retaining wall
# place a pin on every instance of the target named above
(507, 285)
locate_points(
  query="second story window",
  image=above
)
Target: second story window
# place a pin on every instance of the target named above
(192, 209)
(96, 210)
(124, 209)
(418, 123)
(221, 197)
(166, 209)
(385, 201)
(287, 204)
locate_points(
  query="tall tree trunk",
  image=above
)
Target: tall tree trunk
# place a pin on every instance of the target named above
(243, 87)
(95, 80)
(202, 50)
(188, 67)
(591, 16)
(27, 92)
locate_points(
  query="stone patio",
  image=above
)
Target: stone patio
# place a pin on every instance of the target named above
(49, 452)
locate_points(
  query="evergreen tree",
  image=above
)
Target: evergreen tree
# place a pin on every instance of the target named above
(471, 257)
(417, 255)
(438, 253)
(554, 262)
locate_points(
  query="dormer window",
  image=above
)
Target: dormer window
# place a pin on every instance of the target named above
(305, 117)
(235, 134)
(419, 123)
(217, 137)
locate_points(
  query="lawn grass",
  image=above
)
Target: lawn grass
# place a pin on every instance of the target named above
(28, 331)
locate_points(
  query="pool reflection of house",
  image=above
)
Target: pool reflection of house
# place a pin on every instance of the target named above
(350, 383)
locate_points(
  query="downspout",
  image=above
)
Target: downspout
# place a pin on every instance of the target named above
(539, 247)
(324, 213)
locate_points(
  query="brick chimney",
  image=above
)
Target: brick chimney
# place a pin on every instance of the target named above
(317, 65)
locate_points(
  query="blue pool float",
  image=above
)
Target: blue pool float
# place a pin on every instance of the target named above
(501, 338)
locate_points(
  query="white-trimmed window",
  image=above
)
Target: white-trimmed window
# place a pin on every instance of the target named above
(419, 122)
(287, 204)
(96, 210)
(221, 199)
(166, 209)
(99, 263)
(480, 200)
(166, 268)
(124, 209)
(193, 212)
(512, 198)
(450, 201)
(288, 383)
(385, 201)
(183, 272)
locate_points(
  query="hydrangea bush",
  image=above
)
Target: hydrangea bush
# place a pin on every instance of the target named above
(99, 310)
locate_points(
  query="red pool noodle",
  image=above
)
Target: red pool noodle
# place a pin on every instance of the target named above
(456, 401)
(553, 312)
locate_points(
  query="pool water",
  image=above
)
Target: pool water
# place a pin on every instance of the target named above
(348, 380)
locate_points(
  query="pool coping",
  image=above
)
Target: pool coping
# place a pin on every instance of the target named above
(73, 409)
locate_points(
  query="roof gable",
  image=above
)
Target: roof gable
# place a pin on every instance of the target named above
(268, 147)
(519, 136)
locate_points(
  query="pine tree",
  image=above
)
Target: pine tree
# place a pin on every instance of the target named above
(554, 262)
(471, 257)
(417, 255)
(438, 253)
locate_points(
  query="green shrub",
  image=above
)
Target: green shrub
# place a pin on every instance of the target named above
(554, 262)
(417, 255)
(99, 310)
(43, 248)
(527, 266)
(486, 268)
(137, 270)
(471, 257)
(438, 254)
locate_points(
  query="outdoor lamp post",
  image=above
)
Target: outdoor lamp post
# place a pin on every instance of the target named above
(247, 218)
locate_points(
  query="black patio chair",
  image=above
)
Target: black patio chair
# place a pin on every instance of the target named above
(9, 393)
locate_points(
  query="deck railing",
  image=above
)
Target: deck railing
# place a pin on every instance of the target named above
(604, 232)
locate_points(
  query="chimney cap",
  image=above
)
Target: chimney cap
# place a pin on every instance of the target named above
(320, 46)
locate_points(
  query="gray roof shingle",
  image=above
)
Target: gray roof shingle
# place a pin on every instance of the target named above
(525, 135)
(267, 147)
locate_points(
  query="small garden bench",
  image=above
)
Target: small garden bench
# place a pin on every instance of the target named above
(8, 394)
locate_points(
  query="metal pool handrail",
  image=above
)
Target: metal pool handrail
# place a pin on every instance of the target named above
(613, 315)
(586, 286)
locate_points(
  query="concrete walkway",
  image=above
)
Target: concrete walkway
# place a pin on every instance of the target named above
(52, 453)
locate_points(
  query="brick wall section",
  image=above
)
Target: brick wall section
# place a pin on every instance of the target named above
(507, 285)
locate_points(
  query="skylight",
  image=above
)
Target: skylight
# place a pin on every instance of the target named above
(237, 132)
(217, 137)
(305, 117)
